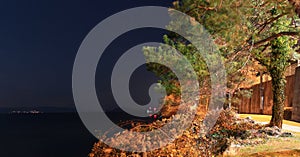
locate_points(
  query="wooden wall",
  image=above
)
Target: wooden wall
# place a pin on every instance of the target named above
(296, 100)
(252, 105)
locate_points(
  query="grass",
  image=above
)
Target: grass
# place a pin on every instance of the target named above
(288, 146)
(267, 118)
(273, 145)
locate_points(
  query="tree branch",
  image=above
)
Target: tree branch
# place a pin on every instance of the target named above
(257, 44)
(207, 8)
(270, 21)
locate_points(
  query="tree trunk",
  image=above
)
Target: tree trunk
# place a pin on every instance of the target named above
(278, 88)
(278, 64)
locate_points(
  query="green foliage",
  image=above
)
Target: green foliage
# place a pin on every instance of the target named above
(246, 32)
(169, 79)
(227, 23)
(277, 52)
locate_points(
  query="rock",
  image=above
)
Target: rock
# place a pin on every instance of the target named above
(249, 120)
(275, 131)
(286, 134)
(276, 128)
(123, 155)
(107, 150)
(271, 131)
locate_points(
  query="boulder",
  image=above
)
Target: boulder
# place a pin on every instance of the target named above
(271, 131)
(249, 120)
(286, 134)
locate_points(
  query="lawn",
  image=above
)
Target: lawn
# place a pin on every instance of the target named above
(289, 146)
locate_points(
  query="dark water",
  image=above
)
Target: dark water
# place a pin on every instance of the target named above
(45, 135)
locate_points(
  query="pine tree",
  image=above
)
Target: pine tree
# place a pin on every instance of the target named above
(246, 32)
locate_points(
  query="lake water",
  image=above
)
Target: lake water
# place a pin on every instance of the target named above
(49, 135)
(44, 135)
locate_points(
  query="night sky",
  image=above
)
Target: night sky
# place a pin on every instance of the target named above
(39, 40)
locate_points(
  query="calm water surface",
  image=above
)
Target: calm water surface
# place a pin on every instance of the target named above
(45, 135)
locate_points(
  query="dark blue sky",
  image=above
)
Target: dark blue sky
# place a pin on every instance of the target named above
(39, 40)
